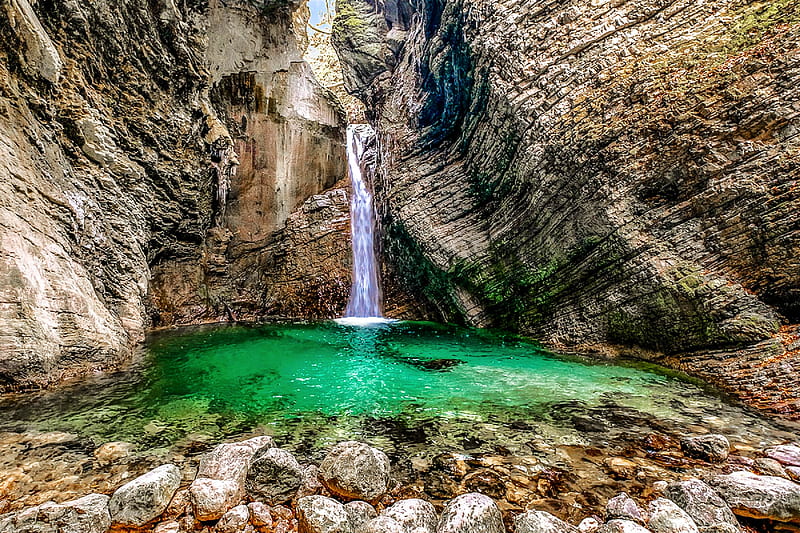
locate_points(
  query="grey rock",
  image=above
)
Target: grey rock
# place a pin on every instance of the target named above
(708, 510)
(274, 476)
(234, 520)
(146, 497)
(755, 496)
(211, 498)
(360, 513)
(534, 521)
(711, 448)
(624, 507)
(84, 515)
(622, 526)
(382, 524)
(769, 467)
(413, 514)
(786, 454)
(667, 517)
(40, 56)
(231, 461)
(260, 514)
(319, 514)
(471, 513)
(355, 470)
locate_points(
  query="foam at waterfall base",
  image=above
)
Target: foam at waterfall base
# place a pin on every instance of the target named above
(365, 321)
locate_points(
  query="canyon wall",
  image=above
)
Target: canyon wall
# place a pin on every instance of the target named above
(611, 176)
(152, 154)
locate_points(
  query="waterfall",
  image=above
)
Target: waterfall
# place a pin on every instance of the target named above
(365, 295)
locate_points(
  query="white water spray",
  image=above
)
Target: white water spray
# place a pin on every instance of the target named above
(365, 295)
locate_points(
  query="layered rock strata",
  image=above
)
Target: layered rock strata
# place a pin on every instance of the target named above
(121, 129)
(600, 175)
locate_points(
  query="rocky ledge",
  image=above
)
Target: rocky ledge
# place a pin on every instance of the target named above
(253, 486)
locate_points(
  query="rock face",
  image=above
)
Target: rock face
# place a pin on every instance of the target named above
(146, 497)
(756, 496)
(548, 169)
(355, 470)
(122, 206)
(84, 515)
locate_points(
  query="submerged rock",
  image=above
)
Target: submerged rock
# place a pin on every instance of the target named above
(471, 513)
(211, 498)
(355, 470)
(711, 448)
(704, 505)
(319, 514)
(542, 522)
(755, 496)
(667, 517)
(146, 497)
(274, 476)
(413, 515)
(624, 507)
(85, 515)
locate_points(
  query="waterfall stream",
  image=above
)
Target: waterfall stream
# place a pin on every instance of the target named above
(365, 295)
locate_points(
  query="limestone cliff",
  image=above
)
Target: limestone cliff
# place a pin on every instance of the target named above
(597, 174)
(122, 126)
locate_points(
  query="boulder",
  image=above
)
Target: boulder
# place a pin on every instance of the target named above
(704, 505)
(413, 514)
(318, 514)
(382, 524)
(786, 454)
(667, 517)
(84, 515)
(260, 514)
(471, 513)
(360, 513)
(755, 496)
(624, 507)
(211, 498)
(712, 448)
(146, 497)
(355, 470)
(274, 476)
(542, 522)
(622, 526)
(234, 520)
(769, 467)
(589, 524)
(232, 461)
(170, 526)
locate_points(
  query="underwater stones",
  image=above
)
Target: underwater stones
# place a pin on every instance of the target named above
(146, 497)
(624, 507)
(231, 461)
(355, 470)
(211, 498)
(360, 513)
(471, 513)
(319, 514)
(233, 521)
(711, 448)
(667, 517)
(704, 505)
(785, 454)
(85, 515)
(534, 521)
(113, 451)
(274, 476)
(413, 515)
(755, 496)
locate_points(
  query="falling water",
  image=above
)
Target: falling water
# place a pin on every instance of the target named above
(365, 296)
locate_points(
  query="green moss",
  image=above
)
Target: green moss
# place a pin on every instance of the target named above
(756, 21)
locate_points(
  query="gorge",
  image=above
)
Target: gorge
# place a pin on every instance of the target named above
(188, 193)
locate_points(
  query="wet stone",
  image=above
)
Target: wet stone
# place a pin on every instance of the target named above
(274, 476)
(355, 470)
(711, 448)
(624, 507)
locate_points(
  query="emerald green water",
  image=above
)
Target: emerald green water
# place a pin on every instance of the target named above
(404, 384)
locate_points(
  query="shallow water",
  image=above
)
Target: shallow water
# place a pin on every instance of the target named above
(403, 385)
